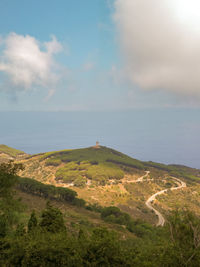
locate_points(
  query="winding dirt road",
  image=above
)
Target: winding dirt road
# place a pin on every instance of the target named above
(161, 220)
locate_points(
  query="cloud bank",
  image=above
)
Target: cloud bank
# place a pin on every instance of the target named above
(160, 51)
(28, 62)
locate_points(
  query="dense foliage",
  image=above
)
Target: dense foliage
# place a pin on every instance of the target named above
(49, 191)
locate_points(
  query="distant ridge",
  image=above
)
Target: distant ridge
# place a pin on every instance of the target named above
(11, 152)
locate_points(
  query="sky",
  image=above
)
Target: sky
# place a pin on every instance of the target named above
(97, 55)
(124, 72)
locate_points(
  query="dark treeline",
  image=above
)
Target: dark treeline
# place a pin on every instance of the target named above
(34, 187)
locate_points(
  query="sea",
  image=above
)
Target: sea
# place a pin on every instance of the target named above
(170, 136)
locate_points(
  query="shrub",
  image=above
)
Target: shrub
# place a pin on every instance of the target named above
(115, 215)
(53, 162)
(80, 181)
(52, 220)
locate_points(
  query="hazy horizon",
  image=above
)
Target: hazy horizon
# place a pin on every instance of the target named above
(161, 135)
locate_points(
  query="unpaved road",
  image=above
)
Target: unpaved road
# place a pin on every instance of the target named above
(141, 179)
(161, 220)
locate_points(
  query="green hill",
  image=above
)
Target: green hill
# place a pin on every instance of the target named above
(107, 177)
(10, 151)
(92, 154)
(99, 166)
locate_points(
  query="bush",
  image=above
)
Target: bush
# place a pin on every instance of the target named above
(53, 162)
(48, 191)
(115, 215)
(80, 181)
(94, 207)
(52, 220)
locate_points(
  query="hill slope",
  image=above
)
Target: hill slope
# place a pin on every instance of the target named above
(107, 177)
(9, 153)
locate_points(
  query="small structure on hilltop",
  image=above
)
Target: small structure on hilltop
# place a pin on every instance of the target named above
(97, 145)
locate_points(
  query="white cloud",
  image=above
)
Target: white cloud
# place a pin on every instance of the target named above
(160, 51)
(28, 62)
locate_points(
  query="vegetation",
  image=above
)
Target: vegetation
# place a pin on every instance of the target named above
(46, 240)
(190, 174)
(77, 172)
(115, 215)
(98, 165)
(91, 154)
(10, 151)
(49, 191)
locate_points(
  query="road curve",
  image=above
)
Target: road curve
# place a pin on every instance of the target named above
(161, 220)
(141, 179)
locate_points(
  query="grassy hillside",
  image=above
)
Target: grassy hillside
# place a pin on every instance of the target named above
(191, 175)
(10, 151)
(102, 154)
(106, 177)
(97, 166)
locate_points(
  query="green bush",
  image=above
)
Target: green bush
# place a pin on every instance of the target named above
(104, 172)
(52, 220)
(115, 215)
(53, 162)
(80, 181)
(67, 176)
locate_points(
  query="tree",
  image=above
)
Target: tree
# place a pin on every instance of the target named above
(32, 223)
(104, 249)
(8, 177)
(8, 205)
(52, 219)
(184, 249)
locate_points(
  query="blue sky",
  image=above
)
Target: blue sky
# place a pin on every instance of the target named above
(86, 32)
(96, 55)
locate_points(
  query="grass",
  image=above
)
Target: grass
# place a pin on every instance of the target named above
(98, 165)
(191, 175)
(98, 173)
(10, 151)
(103, 154)
(103, 164)
(120, 160)
(75, 217)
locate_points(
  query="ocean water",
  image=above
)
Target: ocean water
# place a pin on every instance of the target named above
(161, 135)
